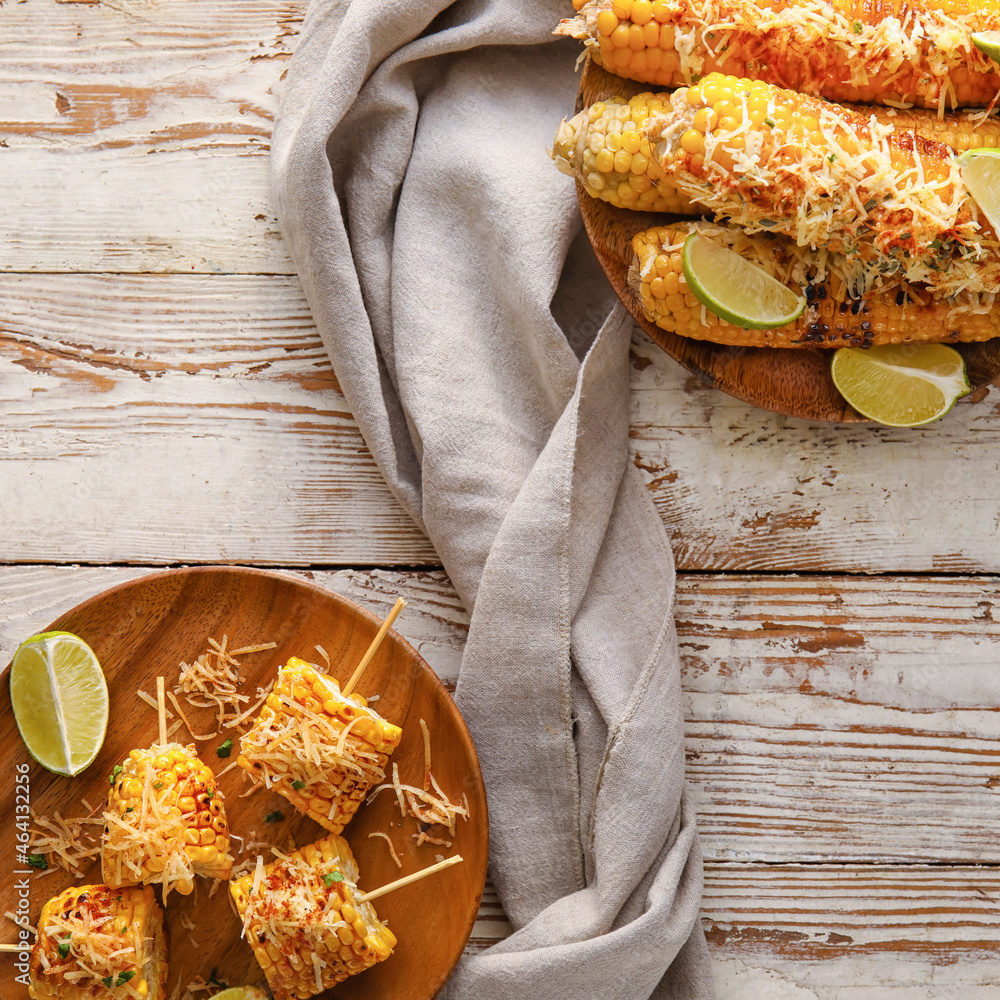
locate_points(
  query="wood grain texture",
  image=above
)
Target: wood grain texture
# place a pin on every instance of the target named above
(795, 382)
(829, 718)
(134, 136)
(165, 418)
(125, 399)
(146, 627)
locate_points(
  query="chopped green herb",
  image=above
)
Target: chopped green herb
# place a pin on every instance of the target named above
(225, 749)
(298, 785)
(124, 977)
(108, 980)
(157, 785)
(38, 861)
(328, 880)
(832, 157)
(115, 771)
(129, 809)
(209, 796)
(124, 928)
(936, 244)
(858, 27)
(63, 948)
(696, 77)
(870, 204)
(905, 236)
(770, 122)
(274, 817)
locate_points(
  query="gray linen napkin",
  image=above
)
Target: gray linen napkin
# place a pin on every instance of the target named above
(487, 365)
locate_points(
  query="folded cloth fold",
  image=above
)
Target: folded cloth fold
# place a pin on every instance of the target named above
(486, 362)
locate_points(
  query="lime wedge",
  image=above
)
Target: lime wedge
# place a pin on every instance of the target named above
(736, 290)
(60, 700)
(241, 993)
(901, 385)
(988, 42)
(981, 173)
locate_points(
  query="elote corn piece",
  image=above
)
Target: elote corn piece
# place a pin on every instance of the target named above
(165, 821)
(605, 148)
(300, 915)
(836, 315)
(321, 750)
(848, 50)
(771, 160)
(98, 943)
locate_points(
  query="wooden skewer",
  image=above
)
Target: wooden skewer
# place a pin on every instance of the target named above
(161, 708)
(15, 947)
(376, 642)
(407, 879)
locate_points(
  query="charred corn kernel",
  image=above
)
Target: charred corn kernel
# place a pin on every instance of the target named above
(165, 822)
(611, 144)
(307, 930)
(321, 750)
(830, 178)
(834, 318)
(843, 55)
(93, 940)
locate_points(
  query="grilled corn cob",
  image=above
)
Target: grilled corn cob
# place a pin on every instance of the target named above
(300, 915)
(847, 50)
(321, 750)
(98, 943)
(605, 148)
(165, 821)
(770, 160)
(836, 316)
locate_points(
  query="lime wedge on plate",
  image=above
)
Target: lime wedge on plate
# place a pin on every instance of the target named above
(241, 993)
(737, 290)
(988, 42)
(60, 700)
(901, 385)
(981, 173)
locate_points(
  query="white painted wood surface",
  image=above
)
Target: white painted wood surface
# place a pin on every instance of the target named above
(164, 399)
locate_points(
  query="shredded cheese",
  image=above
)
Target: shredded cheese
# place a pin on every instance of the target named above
(392, 850)
(69, 841)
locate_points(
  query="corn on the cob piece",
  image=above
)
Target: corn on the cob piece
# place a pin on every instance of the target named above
(99, 943)
(847, 50)
(603, 147)
(165, 821)
(606, 149)
(772, 160)
(836, 315)
(300, 915)
(321, 750)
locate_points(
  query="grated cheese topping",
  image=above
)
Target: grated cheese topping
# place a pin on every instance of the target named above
(859, 190)
(388, 840)
(68, 841)
(804, 44)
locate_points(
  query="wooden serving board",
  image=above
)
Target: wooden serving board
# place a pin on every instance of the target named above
(793, 381)
(147, 627)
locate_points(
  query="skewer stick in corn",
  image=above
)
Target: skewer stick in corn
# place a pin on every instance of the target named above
(364, 897)
(15, 947)
(161, 709)
(376, 642)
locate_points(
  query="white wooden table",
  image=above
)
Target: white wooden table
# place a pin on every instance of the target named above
(164, 400)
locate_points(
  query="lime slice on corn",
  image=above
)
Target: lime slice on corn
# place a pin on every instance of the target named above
(737, 290)
(988, 42)
(901, 385)
(60, 700)
(981, 173)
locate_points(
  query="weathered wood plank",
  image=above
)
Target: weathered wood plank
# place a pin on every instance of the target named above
(161, 419)
(847, 933)
(190, 380)
(108, 112)
(824, 721)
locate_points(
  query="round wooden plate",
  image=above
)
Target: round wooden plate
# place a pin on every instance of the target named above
(793, 381)
(147, 627)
